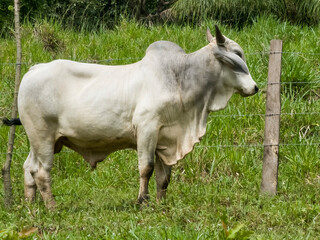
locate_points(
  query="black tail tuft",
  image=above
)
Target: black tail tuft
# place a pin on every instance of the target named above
(14, 121)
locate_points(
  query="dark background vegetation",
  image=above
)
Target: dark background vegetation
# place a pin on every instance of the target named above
(88, 15)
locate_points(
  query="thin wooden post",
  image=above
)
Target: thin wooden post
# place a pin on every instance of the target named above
(272, 121)
(6, 167)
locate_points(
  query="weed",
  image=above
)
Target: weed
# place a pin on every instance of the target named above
(48, 37)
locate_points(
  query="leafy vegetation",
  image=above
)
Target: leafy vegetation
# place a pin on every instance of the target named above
(214, 191)
(241, 12)
(76, 14)
(94, 14)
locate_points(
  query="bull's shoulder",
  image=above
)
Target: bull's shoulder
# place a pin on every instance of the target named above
(165, 46)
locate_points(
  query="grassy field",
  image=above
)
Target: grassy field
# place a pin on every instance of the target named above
(214, 191)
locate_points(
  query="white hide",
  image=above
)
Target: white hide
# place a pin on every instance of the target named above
(96, 109)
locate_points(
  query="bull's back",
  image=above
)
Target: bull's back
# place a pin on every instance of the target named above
(61, 81)
(81, 101)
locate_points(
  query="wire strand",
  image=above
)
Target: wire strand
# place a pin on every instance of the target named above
(218, 146)
(218, 115)
(138, 58)
(258, 145)
(262, 114)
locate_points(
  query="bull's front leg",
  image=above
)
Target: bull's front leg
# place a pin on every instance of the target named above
(145, 169)
(163, 173)
(147, 142)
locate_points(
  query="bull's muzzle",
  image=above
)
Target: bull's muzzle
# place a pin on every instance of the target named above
(246, 93)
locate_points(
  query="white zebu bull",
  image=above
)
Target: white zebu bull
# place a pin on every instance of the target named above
(158, 106)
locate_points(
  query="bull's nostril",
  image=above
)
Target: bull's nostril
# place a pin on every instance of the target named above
(256, 89)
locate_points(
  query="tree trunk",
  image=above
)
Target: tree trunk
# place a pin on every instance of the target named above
(6, 167)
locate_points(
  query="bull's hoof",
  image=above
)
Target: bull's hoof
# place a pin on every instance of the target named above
(143, 199)
(29, 198)
(29, 193)
(51, 205)
(161, 195)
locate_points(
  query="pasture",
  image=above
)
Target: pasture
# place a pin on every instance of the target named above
(214, 191)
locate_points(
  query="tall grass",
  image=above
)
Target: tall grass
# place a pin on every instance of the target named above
(216, 187)
(241, 12)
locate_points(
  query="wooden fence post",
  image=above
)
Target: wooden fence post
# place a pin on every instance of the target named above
(7, 185)
(272, 121)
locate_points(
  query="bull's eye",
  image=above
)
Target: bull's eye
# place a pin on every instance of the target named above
(238, 53)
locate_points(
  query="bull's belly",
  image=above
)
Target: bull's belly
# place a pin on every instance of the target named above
(98, 144)
(95, 149)
(89, 133)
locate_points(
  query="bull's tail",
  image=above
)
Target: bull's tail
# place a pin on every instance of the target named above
(14, 121)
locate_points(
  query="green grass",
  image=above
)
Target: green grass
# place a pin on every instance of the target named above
(239, 13)
(211, 183)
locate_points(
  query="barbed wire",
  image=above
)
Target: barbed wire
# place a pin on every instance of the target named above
(83, 61)
(215, 146)
(311, 82)
(136, 58)
(260, 84)
(282, 52)
(139, 58)
(213, 115)
(262, 114)
(239, 145)
(258, 145)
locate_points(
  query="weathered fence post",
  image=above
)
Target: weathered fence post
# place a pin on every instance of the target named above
(6, 167)
(272, 121)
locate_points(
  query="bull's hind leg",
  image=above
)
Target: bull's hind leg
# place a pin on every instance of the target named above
(29, 182)
(39, 166)
(43, 181)
(163, 173)
(43, 177)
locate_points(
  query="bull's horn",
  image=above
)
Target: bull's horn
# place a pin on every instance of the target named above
(219, 37)
(209, 35)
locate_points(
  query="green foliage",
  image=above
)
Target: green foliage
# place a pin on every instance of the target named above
(47, 35)
(11, 234)
(92, 15)
(242, 12)
(232, 12)
(214, 180)
(6, 15)
(237, 233)
(76, 14)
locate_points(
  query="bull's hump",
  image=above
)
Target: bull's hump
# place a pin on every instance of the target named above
(164, 46)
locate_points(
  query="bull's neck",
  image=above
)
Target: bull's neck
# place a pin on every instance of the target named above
(201, 83)
(195, 82)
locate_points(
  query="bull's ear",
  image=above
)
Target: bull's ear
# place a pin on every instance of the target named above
(209, 36)
(232, 60)
(219, 37)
